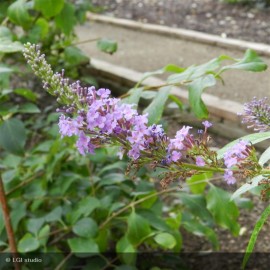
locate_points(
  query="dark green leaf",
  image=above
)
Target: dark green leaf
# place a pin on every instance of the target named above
(54, 215)
(192, 225)
(224, 211)
(18, 14)
(254, 235)
(43, 235)
(28, 108)
(107, 45)
(196, 89)
(13, 136)
(83, 245)
(197, 204)
(66, 25)
(138, 228)
(27, 93)
(165, 240)
(34, 224)
(156, 107)
(28, 243)
(49, 8)
(85, 227)
(74, 56)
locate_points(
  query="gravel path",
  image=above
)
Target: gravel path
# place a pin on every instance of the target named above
(211, 16)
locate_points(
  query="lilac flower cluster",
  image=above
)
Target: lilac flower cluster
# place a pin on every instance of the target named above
(233, 159)
(257, 114)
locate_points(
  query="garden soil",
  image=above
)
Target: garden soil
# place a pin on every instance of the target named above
(143, 52)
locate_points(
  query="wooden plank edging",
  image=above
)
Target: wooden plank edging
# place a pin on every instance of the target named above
(191, 35)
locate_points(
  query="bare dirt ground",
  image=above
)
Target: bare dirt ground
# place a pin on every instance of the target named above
(246, 22)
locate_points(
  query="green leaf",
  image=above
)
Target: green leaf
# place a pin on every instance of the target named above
(198, 182)
(177, 101)
(156, 107)
(74, 56)
(66, 25)
(28, 108)
(250, 62)
(154, 220)
(165, 240)
(134, 96)
(197, 205)
(34, 224)
(85, 207)
(196, 89)
(193, 225)
(54, 215)
(85, 227)
(5, 33)
(28, 243)
(83, 245)
(8, 46)
(18, 14)
(26, 93)
(126, 250)
(265, 157)
(253, 138)
(13, 136)
(44, 235)
(138, 228)
(224, 211)
(49, 8)
(247, 186)
(107, 45)
(254, 235)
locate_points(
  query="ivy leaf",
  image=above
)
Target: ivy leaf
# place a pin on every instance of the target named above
(28, 243)
(224, 211)
(107, 45)
(156, 107)
(49, 8)
(138, 228)
(13, 136)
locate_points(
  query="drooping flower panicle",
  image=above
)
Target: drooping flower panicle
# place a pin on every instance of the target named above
(257, 114)
(97, 119)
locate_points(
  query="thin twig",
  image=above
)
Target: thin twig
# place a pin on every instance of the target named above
(59, 266)
(8, 226)
(132, 204)
(86, 41)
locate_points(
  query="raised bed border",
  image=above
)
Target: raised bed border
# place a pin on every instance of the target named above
(191, 35)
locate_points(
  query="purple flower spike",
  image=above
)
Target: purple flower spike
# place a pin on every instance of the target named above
(103, 93)
(207, 124)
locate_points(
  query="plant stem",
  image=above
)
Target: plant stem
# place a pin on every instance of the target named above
(9, 230)
(132, 204)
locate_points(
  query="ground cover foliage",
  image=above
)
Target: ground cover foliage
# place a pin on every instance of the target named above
(83, 206)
